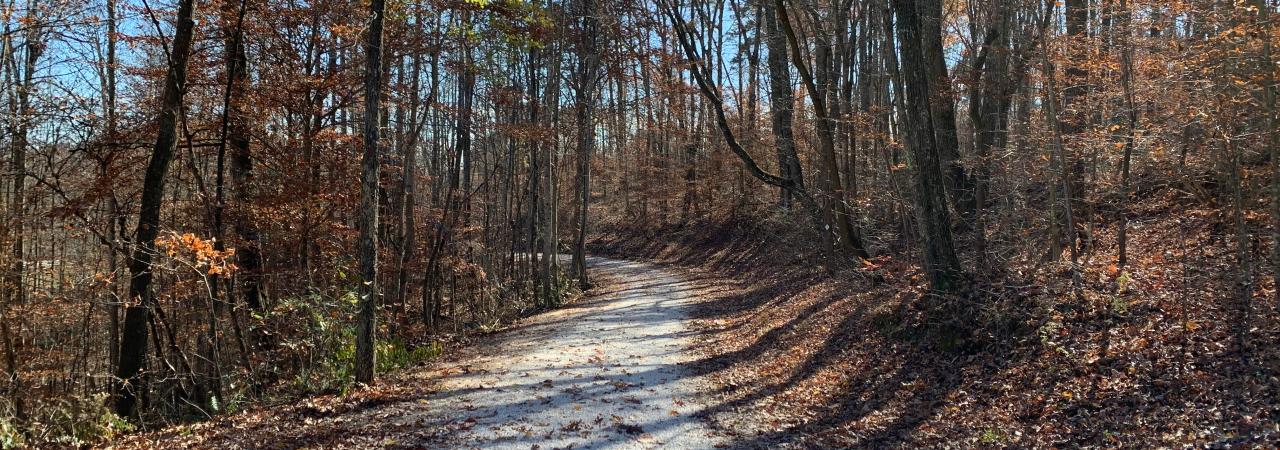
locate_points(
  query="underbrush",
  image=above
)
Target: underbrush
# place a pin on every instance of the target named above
(71, 422)
(320, 345)
(318, 350)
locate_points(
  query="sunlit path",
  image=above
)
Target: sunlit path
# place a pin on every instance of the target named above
(605, 373)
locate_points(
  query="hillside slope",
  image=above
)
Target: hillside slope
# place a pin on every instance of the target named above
(808, 357)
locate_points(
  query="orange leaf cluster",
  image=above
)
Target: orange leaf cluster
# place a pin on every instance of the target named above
(201, 253)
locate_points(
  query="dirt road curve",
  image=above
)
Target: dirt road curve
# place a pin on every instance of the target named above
(602, 374)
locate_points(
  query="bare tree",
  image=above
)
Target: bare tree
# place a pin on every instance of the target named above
(137, 317)
(843, 232)
(780, 104)
(940, 261)
(366, 324)
(588, 83)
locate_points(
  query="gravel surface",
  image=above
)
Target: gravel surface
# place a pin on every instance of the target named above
(604, 373)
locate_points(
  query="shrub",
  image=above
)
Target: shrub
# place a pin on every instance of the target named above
(74, 421)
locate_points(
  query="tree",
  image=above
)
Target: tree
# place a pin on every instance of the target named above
(1073, 117)
(1131, 114)
(236, 132)
(847, 237)
(109, 107)
(780, 104)
(588, 83)
(544, 106)
(940, 261)
(21, 119)
(943, 109)
(141, 297)
(1059, 199)
(709, 91)
(366, 324)
(1267, 66)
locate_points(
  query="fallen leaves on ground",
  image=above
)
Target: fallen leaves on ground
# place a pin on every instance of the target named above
(1154, 355)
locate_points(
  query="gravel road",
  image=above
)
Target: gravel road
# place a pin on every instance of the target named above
(605, 373)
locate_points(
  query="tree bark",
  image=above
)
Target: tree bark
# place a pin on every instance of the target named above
(940, 261)
(109, 101)
(137, 317)
(1074, 117)
(549, 193)
(366, 322)
(22, 117)
(588, 85)
(1058, 163)
(1126, 79)
(780, 105)
(959, 184)
(1267, 65)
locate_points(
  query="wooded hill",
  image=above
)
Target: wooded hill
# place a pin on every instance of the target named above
(211, 205)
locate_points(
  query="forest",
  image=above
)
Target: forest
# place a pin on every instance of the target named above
(905, 223)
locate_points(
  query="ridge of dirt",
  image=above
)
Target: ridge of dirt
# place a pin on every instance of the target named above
(803, 357)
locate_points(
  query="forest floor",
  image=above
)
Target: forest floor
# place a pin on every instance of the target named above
(802, 355)
(603, 372)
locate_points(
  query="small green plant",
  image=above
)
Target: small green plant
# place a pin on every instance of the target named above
(992, 436)
(1119, 305)
(323, 346)
(1123, 281)
(10, 435)
(1048, 334)
(324, 349)
(395, 355)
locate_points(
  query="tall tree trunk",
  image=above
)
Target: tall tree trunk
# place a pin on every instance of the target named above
(109, 101)
(1267, 65)
(141, 298)
(1074, 117)
(1059, 163)
(940, 261)
(233, 60)
(409, 223)
(548, 188)
(21, 117)
(534, 180)
(1244, 251)
(991, 93)
(235, 136)
(588, 84)
(943, 109)
(781, 102)
(366, 324)
(1126, 79)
